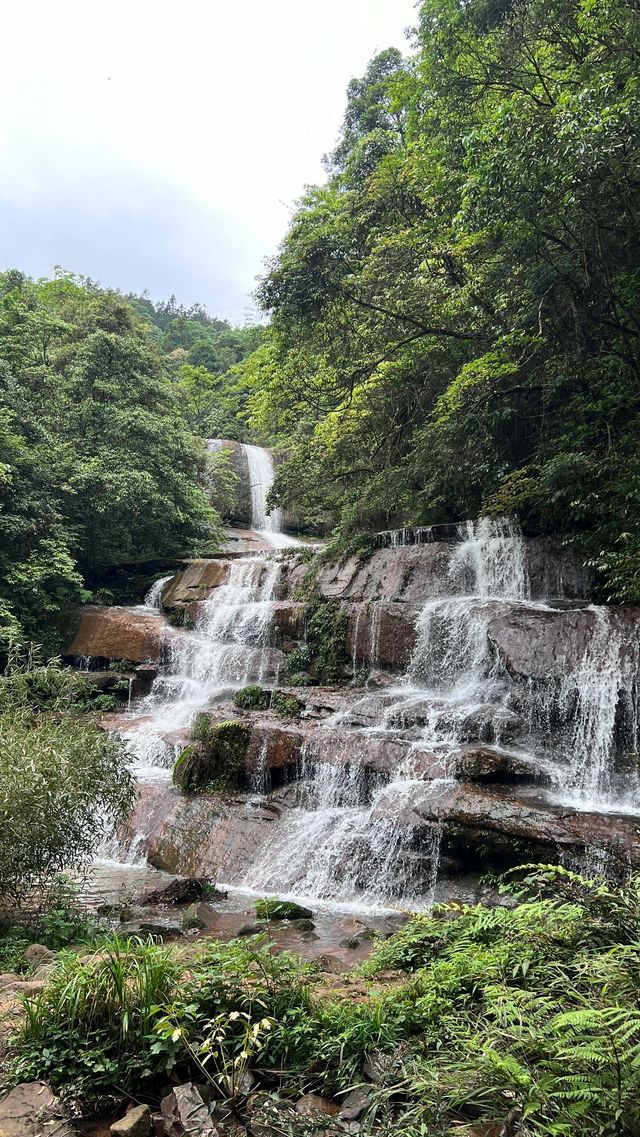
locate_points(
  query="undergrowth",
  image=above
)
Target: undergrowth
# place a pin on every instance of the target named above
(523, 1015)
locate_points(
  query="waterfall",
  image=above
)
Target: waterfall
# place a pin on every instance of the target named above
(261, 477)
(363, 824)
(227, 648)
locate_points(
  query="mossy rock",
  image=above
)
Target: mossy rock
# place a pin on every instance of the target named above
(270, 908)
(285, 705)
(215, 759)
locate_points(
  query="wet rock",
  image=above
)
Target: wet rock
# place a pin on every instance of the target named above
(185, 1113)
(302, 925)
(27, 1110)
(183, 890)
(250, 930)
(196, 582)
(143, 678)
(313, 1105)
(192, 921)
(272, 747)
(548, 644)
(117, 633)
(332, 964)
(135, 1123)
(382, 634)
(288, 619)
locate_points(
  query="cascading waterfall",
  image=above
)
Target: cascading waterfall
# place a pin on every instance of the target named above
(349, 838)
(366, 834)
(227, 648)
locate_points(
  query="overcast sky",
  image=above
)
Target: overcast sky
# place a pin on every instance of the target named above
(162, 145)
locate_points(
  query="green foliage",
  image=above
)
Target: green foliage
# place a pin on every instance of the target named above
(97, 465)
(286, 705)
(215, 758)
(455, 311)
(326, 637)
(252, 698)
(523, 1014)
(63, 783)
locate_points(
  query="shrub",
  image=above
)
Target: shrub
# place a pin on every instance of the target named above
(286, 705)
(326, 639)
(252, 698)
(63, 783)
(215, 758)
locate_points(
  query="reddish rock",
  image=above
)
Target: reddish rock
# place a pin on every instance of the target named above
(289, 619)
(118, 633)
(196, 582)
(382, 634)
(543, 643)
(272, 746)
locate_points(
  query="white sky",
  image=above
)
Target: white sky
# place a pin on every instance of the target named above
(152, 144)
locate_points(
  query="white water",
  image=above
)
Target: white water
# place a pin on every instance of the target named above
(227, 648)
(357, 838)
(351, 838)
(261, 477)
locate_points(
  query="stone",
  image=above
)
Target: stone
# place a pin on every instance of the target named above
(196, 582)
(355, 1103)
(271, 908)
(44, 971)
(313, 1105)
(185, 1113)
(192, 919)
(183, 890)
(26, 1109)
(135, 1123)
(8, 978)
(38, 953)
(117, 633)
(332, 964)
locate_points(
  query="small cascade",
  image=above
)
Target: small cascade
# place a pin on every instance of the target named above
(227, 648)
(261, 477)
(153, 599)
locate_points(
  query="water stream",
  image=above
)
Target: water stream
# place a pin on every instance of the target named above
(352, 829)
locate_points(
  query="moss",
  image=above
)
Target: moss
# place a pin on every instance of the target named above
(180, 616)
(286, 705)
(270, 908)
(215, 757)
(300, 679)
(326, 639)
(252, 698)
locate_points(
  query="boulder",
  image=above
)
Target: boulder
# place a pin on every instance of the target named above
(185, 1113)
(183, 890)
(135, 1123)
(36, 954)
(27, 1110)
(548, 644)
(195, 582)
(356, 1102)
(117, 633)
(382, 634)
(313, 1105)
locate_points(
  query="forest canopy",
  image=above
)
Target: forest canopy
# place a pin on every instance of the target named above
(102, 419)
(455, 313)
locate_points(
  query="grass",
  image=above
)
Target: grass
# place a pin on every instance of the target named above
(524, 1015)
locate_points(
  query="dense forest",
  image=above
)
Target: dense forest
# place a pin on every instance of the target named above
(455, 312)
(104, 402)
